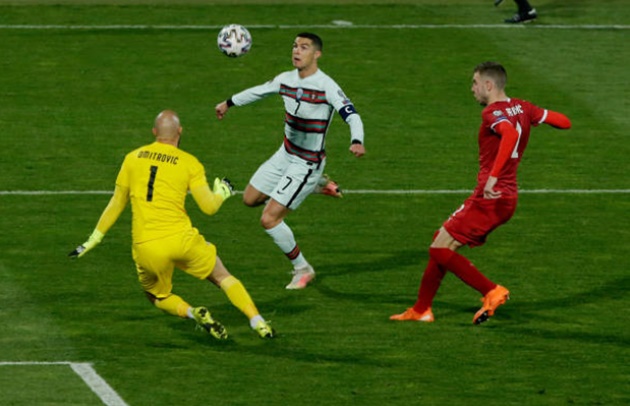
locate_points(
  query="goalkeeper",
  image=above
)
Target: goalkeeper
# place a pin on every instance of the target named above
(156, 178)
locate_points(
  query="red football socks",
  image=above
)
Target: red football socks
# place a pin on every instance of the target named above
(431, 280)
(462, 268)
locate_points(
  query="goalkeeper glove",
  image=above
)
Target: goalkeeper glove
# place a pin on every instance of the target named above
(223, 187)
(92, 242)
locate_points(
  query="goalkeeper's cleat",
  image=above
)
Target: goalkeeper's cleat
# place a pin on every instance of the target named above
(206, 322)
(264, 329)
(526, 17)
(493, 299)
(328, 187)
(301, 277)
(78, 252)
(412, 315)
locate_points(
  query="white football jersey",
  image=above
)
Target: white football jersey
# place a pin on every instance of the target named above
(309, 104)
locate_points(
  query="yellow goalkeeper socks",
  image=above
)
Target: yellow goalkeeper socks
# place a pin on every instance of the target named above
(174, 305)
(235, 291)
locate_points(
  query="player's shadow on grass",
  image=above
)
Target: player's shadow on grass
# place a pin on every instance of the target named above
(278, 348)
(522, 314)
(612, 290)
(241, 340)
(290, 303)
(392, 262)
(523, 317)
(384, 268)
(569, 335)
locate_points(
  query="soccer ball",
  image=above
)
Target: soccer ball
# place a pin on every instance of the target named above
(234, 40)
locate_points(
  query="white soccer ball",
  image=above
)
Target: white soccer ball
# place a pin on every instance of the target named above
(234, 40)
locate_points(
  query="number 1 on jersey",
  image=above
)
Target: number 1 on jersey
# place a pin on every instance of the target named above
(151, 183)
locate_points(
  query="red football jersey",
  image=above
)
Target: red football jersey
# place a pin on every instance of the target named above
(522, 115)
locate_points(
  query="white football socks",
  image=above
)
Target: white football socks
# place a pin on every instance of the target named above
(284, 239)
(254, 320)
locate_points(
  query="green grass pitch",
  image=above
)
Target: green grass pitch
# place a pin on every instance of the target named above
(73, 101)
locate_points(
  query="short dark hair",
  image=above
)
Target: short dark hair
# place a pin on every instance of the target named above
(317, 41)
(494, 70)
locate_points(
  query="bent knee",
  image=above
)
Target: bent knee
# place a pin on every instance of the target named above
(250, 202)
(253, 197)
(273, 215)
(268, 221)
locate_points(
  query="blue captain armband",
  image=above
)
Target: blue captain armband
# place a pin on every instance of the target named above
(347, 110)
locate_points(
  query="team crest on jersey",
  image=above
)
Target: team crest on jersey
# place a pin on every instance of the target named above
(344, 97)
(497, 113)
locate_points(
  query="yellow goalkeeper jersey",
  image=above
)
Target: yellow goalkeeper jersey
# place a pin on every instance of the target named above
(158, 177)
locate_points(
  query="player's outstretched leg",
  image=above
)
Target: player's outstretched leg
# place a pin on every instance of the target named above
(240, 298)
(205, 321)
(493, 299)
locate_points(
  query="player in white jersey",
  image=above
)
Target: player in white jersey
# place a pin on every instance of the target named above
(296, 170)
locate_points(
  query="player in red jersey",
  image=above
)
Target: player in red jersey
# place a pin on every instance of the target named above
(503, 136)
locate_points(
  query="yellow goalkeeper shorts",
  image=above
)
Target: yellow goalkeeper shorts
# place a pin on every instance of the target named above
(156, 260)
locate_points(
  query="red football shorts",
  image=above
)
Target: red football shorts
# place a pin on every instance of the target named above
(478, 217)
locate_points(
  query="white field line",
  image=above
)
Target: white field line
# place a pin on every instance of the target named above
(87, 373)
(97, 384)
(345, 191)
(340, 25)
(465, 191)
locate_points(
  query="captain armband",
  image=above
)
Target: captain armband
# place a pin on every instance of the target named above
(346, 111)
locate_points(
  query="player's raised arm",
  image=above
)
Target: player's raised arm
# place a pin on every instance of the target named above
(247, 96)
(557, 120)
